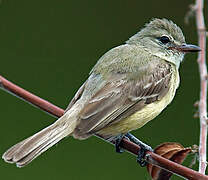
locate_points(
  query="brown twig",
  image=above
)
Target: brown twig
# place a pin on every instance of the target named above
(30, 98)
(203, 80)
(129, 146)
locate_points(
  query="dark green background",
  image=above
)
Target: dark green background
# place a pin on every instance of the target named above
(48, 47)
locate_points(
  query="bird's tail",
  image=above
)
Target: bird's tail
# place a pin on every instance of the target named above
(27, 150)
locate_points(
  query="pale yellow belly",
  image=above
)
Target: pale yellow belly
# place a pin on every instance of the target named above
(141, 117)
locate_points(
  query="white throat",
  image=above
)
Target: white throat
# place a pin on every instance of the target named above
(173, 57)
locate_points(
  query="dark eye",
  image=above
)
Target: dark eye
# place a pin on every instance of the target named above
(164, 39)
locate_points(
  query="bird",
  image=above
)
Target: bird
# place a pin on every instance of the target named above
(130, 85)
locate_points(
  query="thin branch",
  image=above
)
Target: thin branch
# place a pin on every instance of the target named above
(203, 80)
(129, 146)
(30, 98)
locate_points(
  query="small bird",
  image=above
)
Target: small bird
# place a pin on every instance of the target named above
(129, 86)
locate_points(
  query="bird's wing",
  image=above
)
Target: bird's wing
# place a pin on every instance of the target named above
(121, 97)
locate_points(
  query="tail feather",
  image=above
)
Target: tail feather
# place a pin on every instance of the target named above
(8, 155)
(38, 150)
(27, 150)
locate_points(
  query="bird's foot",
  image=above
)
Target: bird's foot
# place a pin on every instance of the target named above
(143, 149)
(118, 143)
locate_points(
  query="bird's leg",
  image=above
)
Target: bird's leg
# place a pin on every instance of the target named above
(118, 142)
(143, 149)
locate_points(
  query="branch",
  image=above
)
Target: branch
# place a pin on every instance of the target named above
(30, 98)
(127, 145)
(203, 81)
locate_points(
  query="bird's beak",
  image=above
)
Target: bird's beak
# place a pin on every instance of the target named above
(186, 48)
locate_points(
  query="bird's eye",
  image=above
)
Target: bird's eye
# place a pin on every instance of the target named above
(164, 39)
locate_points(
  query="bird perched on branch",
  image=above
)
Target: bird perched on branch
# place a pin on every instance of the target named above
(130, 85)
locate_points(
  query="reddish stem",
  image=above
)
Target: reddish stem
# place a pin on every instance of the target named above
(30, 98)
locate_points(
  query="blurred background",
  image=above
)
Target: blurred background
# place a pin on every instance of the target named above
(48, 47)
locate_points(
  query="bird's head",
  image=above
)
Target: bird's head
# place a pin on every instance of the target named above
(164, 39)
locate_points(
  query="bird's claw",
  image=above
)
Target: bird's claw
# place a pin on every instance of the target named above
(142, 151)
(118, 144)
(141, 156)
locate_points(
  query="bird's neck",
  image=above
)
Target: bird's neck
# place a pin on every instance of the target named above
(174, 59)
(171, 57)
(167, 55)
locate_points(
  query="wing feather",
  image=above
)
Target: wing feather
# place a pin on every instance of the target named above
(120, 98)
